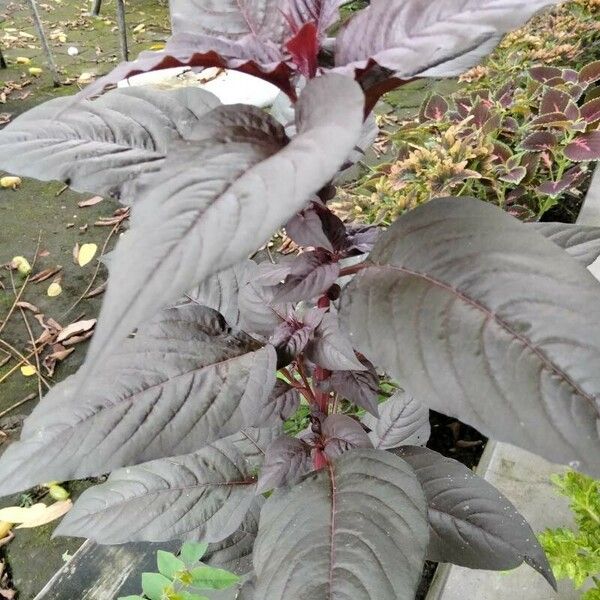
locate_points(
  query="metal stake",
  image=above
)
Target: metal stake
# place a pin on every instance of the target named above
(96, 7)
(122, 29)
(3, 64)
(45, 45)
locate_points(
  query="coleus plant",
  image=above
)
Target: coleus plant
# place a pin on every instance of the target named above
(201, 353)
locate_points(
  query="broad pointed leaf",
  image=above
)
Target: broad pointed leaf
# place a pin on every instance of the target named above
(182, 382)
(235, 552)
(100, 146)
(218, 201)
(360, 387)
(342, 433)
(291, 337)
(484, 319)
(583, 147)
(397, 34)
(471, 523)
(323, 13)
(356, 529)
(283, 402)
(220, 292)
(582, 242)
(204, 495)
(402, 421)
(306, 229)
(286, 461)
(330, 348)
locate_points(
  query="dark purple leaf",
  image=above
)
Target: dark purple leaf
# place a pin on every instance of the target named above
(525, 307)
(282, 403)
(287, 460)
(543, 74)
(585, 146)
(549, 120)
(464, 104)
(361, 239)
(481, 113)
(554, 101)
(590, 73)
(359, 387)
(515, 175)
(402, 421)
(307, 228)
(330, 348)
(582, 242)
(539, 141)
(184, 380)
(570, 75)
(471, 523)
(510, 124)
(291, 337)
(397, 34)
(102, 146)
(312, 274)
(342, 433)
(435, 108)
(216, 202)
(590, 111)
(356, 530)
(200, 496)
(531, 162)
(501, 150)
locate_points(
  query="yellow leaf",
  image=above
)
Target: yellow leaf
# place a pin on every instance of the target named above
(10, 182)
(139, 28)
(57, 492)
(19, 514)
(35, 71)
(28, 370)
(86, 254)
(21, 264)
(5, 528)
(157, 47)
(22, 60)
(62, 38)
(54, 289)
(50, 513)
(85, 78)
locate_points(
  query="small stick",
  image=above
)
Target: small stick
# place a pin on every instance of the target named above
(23, 360)
(17, 404)
(122, 29)
(96, 7)
(45, 45)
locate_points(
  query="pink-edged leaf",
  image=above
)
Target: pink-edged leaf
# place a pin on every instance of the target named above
(502, 150)
(549, 120)
(323, 13)
(330, 348)
(304, 48)
(287, 459)
(312, 274)
(543, 73)
(435, 108)
(590, 111)
(539, 141)
(342, 433)
(481, 113)
(576, 91)
(397, 34)
(515, 175)
(531, 162)
(463, 105)
(359, 387)
(590, 73)
(555, 188)
(570, 75)
(584, 147)
(554, 101)
(510, 124)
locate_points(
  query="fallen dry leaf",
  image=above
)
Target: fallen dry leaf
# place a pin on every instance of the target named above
(76, 253)
(90, 202)
(96, 291)
(45, 274)
(76, 328)
(36, 515)
(10, 182)
(32, 307)
(77, 339)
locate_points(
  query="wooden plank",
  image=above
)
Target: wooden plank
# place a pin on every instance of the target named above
(104, 572)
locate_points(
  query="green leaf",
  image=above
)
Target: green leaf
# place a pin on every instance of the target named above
(192, 552)
(153, 585)
(212, 578)
(168, 564)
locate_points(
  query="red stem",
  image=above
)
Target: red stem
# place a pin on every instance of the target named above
(353, 269)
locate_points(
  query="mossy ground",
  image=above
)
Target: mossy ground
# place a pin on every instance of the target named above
(35, 212)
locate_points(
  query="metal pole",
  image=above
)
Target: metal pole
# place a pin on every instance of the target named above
(122, 29)
(96, 7)
(45, 45)
(2, 61)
